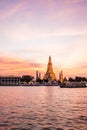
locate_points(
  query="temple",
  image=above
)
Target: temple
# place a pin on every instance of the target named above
(61, 77)
(50, 75)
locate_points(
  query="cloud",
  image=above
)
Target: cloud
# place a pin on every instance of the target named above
(21, 32)
(74, 1)
(79, 70)
(38, 28)
(55, 20)
(9, 66)
(11, 9)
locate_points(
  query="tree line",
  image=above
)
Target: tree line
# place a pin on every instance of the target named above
(77, 79)
(28, 78)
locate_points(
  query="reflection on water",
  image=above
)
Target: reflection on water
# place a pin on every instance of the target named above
(43, 108)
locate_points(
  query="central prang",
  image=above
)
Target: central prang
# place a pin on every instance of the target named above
(50, 75)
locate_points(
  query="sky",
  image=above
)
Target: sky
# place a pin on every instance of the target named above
(31, 30)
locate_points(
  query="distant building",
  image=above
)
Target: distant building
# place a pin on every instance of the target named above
(50, 75)
(61, 76)
(9, 80)
(37, 75)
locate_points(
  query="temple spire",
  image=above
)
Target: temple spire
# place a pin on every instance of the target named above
(49, 59)
(50, 75)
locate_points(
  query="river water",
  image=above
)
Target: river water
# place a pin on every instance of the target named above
(43, 108)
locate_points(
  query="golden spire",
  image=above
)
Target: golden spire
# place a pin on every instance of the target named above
(49, 74)
(49, 59)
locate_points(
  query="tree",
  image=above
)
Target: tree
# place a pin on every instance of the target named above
(39, 80)
(78, 79)
(27, 78)
(46, 80)
(65, 79)
(71, 79)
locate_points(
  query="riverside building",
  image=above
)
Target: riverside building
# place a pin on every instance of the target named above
(9, 80)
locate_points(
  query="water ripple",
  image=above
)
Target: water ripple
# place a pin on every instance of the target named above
(43, 108)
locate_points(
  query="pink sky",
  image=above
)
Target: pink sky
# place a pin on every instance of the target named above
(31, 30)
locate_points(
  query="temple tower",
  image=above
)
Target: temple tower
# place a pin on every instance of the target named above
(50, 75)
(61, 76)
(36, 75)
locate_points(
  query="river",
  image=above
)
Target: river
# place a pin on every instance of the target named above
(43, 108)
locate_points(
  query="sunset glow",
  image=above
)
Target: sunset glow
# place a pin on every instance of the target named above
(31, 30)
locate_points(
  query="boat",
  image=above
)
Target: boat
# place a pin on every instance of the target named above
(74, 85)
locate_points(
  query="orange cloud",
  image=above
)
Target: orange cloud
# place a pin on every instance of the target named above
(10, 66)
(78, 70)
